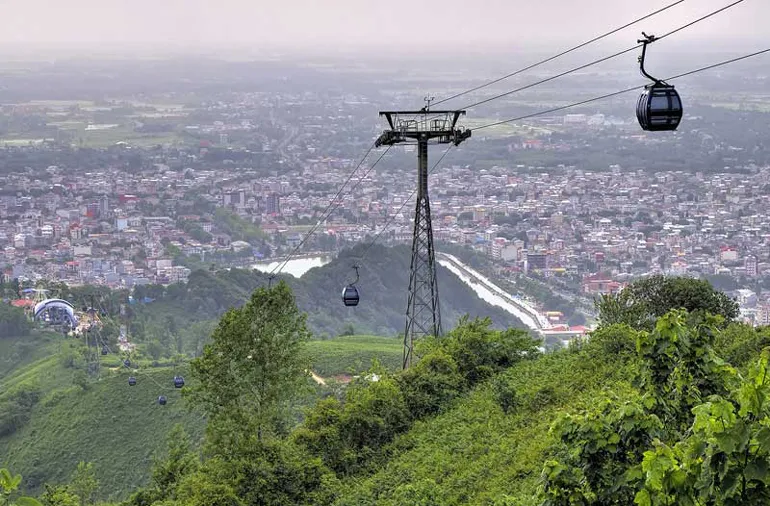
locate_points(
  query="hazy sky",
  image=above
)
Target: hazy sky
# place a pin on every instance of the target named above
(430, 25)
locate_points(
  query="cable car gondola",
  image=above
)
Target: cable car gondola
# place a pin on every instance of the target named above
(178, 382)
(350, 295)
(131, 381)
(659, 107)
(162, 400)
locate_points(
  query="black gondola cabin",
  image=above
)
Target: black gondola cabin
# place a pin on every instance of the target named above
(659, 108)
(162, 400)
(350, 295)
(178, 382)
(131, 381)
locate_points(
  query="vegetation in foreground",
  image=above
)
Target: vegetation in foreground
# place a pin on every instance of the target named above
(673, 414)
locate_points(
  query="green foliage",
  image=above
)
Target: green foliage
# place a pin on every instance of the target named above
(179, 462)
(16, 407)
(59, 495)
(601, 456)
(8, 486)
(697, 435)
(13, 321)
(480, 351)
(84, 483)
(254, 366)
(679, 367)
(724, 458)
(642, 302)
(615, 342)
(645, 416)
(111, 424)
(432, 384)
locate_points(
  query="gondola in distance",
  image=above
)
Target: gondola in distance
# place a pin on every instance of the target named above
(350, 295)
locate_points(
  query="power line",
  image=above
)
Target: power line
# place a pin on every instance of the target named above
(563, 53)
(627, 90)
(333, 205)
(390, 220)
(601, 60)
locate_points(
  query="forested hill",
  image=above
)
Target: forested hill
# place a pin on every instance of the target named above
(384, 279)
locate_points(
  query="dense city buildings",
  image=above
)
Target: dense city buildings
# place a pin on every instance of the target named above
(126, 191)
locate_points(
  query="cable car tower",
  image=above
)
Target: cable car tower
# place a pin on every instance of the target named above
(423, 127)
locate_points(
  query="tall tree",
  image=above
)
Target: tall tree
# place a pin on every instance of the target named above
(255, 364)
(84, 483)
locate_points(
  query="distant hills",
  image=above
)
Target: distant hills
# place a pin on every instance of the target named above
(383, 285)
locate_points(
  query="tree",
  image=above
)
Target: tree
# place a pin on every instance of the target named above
(642, 302)
(724, 458)
(697, 434)
(255, 364)
(59, 495)
(13, 322)
(8, 486)
(84, 483)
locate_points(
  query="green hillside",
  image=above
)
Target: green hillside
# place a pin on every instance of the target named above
(659, 406)
(109, 423)
(120, 428)
(354, 354)
(384, 279)
(475, 452)
(16, 353)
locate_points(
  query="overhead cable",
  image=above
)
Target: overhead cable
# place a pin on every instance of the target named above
(559, 55)
(627, 90)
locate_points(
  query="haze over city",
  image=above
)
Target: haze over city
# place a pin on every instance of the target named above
(424, 26)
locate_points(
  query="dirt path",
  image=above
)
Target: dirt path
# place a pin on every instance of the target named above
(318, 379)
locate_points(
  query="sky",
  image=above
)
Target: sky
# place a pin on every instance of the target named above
(429, 26)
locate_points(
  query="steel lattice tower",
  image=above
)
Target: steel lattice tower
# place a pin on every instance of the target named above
(423, 314)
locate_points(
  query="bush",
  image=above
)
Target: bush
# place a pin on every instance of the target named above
(16, 408)
(431, 384)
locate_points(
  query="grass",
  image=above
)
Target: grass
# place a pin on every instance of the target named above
(354, 354)
(17, 353)
(474, 453)
(118, 428)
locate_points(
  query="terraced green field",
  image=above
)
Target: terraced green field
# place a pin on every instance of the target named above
(350, 355)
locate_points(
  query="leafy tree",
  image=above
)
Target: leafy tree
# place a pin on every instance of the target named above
(642, 302)
(725, 458)
(255, 364)
(8, 486)
(59, 495)
(431, 384)
(480, 351)
(13, 322)
(601, 455)
(679, 368)
(84, 483)
(694, 436)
